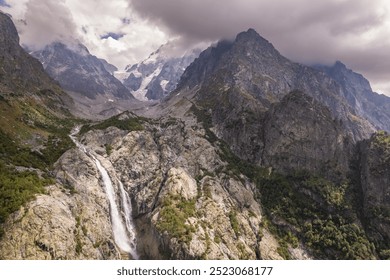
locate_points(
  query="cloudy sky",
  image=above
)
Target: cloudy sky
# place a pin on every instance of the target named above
(357, 32)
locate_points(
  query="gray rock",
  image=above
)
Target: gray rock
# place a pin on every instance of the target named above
(71, 221)
(78, 71)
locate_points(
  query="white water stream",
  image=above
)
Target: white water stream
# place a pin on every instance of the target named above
(124, 233)
(126, 203)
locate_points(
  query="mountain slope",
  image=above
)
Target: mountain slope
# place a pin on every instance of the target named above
(251, 68)
(238, 82)
(297, 123)
(158, 75)
(78, 71)
(34, 123)
(375, 183)
(359, 95)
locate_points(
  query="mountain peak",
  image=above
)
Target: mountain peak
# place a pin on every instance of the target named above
(252, 36)
(339, 64)
(250, 33)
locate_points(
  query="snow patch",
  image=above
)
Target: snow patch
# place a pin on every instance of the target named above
(121, 75)
(164, 84)
(141, 93)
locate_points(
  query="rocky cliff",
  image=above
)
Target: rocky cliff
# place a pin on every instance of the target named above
(300, 133)
(359, 95)
(70, 221)
(185, 204)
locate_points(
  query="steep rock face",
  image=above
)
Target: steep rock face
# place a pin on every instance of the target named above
(357, 91)
(70, 221)
(375, 181)
(236, 83)
(299, 133)
(184, 203)
(78, 71)
(158, 75)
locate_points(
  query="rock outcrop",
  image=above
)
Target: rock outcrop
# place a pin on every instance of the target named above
(185, 203)
(70, 221)
(300, 134)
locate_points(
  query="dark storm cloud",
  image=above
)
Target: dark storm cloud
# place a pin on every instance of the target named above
(353, 31)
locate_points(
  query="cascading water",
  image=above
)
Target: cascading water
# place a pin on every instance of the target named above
(126, 204)
(124, 236)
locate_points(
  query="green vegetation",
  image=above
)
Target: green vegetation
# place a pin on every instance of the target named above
(130, 124)
(382, 138)
(317, 214)
(17, 188)
(205, 119)
(32, 138)
(174, 215)
(234, 222)
(302, 207)
(108, 149)
(335, 235)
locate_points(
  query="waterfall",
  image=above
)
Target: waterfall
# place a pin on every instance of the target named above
(126, 204)
(124, 235)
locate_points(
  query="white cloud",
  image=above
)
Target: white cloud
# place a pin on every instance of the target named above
(356, 32)
(41, 22)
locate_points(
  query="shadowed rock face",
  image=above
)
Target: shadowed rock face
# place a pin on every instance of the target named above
(245, 86)
(300, 133)
(78, 71)
(359, 95)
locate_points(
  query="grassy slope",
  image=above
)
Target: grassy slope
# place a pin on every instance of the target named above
(32, 137)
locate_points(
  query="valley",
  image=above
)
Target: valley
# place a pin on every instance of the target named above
(243, 154)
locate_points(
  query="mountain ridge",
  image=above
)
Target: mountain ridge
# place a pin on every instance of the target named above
(79, 71)
(252, 156)
(155, 77)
